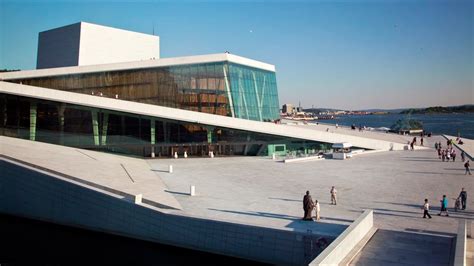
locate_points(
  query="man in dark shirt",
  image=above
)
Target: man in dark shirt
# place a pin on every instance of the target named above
(307, 206)
(463, 196)
(467, 165)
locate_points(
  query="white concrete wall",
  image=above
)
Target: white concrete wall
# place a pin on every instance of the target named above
(344, 243)
(36, 194)
(193, 117)
(106, 45)
(84, 43)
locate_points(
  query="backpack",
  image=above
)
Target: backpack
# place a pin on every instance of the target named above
(466, 164)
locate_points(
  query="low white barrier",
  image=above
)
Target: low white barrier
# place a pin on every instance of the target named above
(304, 159)
(358, 151)
(460, 251)
(344, 243)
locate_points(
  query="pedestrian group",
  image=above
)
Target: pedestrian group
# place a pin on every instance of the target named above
(445, 155)
(309, 205)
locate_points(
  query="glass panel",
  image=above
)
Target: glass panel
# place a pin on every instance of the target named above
(254, 95)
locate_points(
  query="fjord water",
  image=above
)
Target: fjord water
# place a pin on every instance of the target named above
(449, 124)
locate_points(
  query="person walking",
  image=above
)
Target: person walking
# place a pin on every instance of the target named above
(436, 146)
(453, 154)
(463, 197)
(426, 209)
(333, 195)
(421, 141)
(317, 208)
(444, 206)
(443, 155)
(463, 156)
(308, 206)
(466, 165)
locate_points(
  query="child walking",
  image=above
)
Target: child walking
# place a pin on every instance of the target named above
(426, 209)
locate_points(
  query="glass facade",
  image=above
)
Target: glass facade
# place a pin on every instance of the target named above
(220, 88)
(254, 93)
(130, 134)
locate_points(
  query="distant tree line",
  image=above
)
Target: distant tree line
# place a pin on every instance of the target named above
(440, 109)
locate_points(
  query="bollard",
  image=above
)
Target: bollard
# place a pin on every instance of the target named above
(176, 155)
(185, 154)
(152, 154)
(170, 169)
(211, 154)
(138, 198)
(273, 156)
(192, 190)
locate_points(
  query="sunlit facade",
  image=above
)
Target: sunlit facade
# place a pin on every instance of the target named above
(220, 88)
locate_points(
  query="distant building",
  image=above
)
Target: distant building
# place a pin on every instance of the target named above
(288, 108)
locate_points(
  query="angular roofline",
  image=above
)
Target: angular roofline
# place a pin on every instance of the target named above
(194, 117)
(162, 62)
(80, 23)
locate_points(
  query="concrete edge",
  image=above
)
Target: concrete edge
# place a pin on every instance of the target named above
(126, 196)
(459, 147)
(340, 248)
(358, 248)
(460, 251)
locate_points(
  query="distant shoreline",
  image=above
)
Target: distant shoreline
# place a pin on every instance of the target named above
(445, 123)
(441, 110)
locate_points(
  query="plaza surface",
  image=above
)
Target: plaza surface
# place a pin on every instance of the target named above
(261, 191)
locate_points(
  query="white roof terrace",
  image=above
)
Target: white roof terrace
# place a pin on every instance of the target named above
(162, 62)
(198, 117)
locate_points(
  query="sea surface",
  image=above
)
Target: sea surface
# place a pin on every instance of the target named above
(449, 124)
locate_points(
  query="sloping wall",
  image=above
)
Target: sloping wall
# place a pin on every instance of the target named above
(32, 193)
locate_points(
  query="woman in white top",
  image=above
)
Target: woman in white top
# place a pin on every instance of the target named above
(317, 209)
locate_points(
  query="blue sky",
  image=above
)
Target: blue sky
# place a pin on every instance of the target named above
(340, 54)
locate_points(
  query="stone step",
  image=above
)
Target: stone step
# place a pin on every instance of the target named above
(396, 248)
(352, 254)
